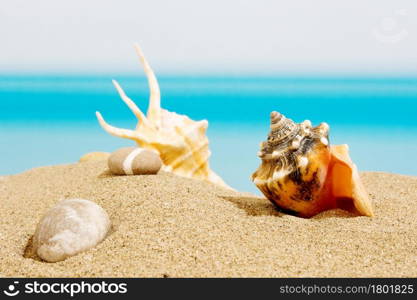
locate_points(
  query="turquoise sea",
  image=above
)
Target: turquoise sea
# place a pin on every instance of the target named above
(49, 119)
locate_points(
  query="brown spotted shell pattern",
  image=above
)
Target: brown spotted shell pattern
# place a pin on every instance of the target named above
(301, 173)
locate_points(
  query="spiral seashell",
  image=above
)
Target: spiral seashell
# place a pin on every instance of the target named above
(70, 227)
(301, 173)
(181, 142)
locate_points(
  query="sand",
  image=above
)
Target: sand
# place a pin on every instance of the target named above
(168, 226)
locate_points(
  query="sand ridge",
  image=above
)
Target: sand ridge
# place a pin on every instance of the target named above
(168, 226)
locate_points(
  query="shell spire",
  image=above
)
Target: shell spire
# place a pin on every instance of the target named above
(154, 110)
(181, 142)
(301, 173)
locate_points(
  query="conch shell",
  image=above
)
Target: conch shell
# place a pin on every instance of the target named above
(181, 142)
(301, 173)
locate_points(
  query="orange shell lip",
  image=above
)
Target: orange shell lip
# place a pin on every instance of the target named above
(347, 190)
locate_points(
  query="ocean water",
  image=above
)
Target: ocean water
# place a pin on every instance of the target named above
(47, 120)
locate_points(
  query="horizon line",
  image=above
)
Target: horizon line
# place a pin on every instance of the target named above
(217, 74)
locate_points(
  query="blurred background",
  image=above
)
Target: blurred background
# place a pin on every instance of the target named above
(352, 65)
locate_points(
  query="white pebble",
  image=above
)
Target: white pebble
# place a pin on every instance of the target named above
(70, 227)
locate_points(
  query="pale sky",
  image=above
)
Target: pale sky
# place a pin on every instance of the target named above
(215, 36)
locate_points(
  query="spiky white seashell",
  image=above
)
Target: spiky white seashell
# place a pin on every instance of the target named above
(181, 142)
(70, 227)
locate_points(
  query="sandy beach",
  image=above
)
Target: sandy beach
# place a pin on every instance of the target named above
(168, 226)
